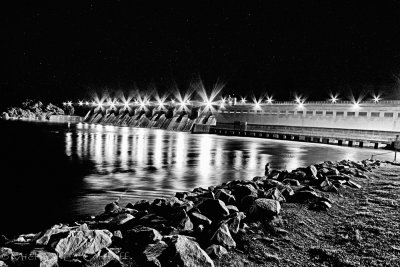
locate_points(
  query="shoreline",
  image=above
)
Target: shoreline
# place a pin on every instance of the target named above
(203, 226)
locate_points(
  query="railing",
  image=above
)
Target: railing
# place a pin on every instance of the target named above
(335, 133)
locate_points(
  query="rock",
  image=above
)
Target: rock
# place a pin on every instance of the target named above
(151, 219)
(338, 177)
(121, 219)
(234, 223)
(139, 205)
(167, 206)
(291, 182)
(189, 253)
(264, 207)
(153, 252)
(353, 184)
(320, 206)
(305, 196)
(274, 193)
(327, 186)
(5, 253)
(104, 257)
(213, 209)
(44, 258)
(232, 209)
(244, 190)
(141, 236)
(269, 183)
(246, 203)
(298, 175)
(216, 251)
(287, 192)
(181, 195)
(223, 237)
(200, 219)
(312, 171)
(3, 264)
(56, 229)
(182, 221)
(225, 196)
(82, 243)
(111, 207)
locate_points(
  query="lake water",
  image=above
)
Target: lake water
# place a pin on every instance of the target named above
(53, 172)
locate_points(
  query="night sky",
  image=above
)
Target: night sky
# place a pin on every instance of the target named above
(62, 51)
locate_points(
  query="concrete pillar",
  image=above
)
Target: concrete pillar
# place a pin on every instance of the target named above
(350, 143)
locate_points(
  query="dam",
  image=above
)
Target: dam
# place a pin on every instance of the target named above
(366, 123)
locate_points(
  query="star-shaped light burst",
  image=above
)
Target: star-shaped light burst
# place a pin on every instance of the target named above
(243, 100)
(98, 103)
(209, 102)
(182, 102)
(160, 101)
(126, 102)
(111, 104)
(270, 99)
(334, 98)
(80, 103)
(376, 98)
(142, 101)
(257, 102)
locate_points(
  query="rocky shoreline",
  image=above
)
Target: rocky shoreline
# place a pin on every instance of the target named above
(194, 228)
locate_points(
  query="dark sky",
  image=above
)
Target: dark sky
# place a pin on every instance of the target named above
(62, 51)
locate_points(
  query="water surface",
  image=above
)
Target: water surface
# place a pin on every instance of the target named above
(58, 171)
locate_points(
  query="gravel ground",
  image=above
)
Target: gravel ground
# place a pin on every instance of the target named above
(361, 229)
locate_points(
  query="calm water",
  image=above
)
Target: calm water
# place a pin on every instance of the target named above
(55, 171)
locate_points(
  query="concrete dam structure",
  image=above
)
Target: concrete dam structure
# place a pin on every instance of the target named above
(171, 119)
(342, 123)
(367, 123)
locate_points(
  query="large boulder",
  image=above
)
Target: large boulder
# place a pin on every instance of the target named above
(139, 205)
(216, 251)
(265, 208)
(274, 193)
(44, 258)
(141, 236)
(225, 195)
(244, 190)
(82, 243)
(182, 221)
(305, 196)
(121, 219)
(199, 218)
(214, 209)
(223, 237)
(189, 253)
(104, 257)
(56, 229)
(111, 207)
(235, 222)
(312, 171)
(153, 252)
(167, 206)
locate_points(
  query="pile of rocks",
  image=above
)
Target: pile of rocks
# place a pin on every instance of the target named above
(189, 229)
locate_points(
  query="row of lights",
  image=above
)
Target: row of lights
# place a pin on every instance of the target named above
(207, 103)
(126, 104)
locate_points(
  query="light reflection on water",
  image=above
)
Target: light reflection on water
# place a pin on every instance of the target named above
(146, 163)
